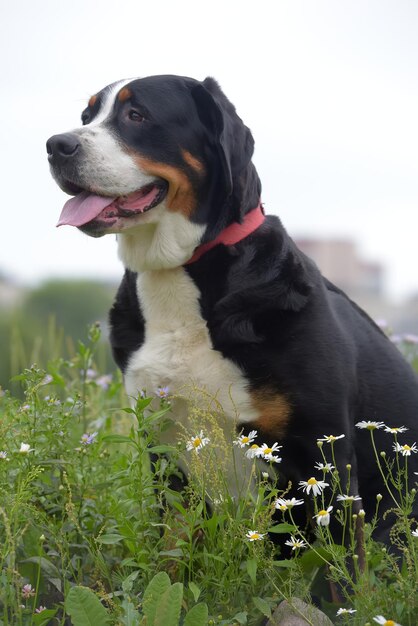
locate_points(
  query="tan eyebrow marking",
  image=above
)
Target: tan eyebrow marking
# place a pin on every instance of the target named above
(193, 162)
(92, 101)
(124, 94)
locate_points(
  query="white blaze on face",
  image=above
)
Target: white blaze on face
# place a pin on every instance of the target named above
(105, 166)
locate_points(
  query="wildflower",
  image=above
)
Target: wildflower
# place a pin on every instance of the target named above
(317, 486)
(395, 429)
(162, 392)
(295, 544)
(254, 535)
(245, 440)
(265, 475)
(266, 452)
(324, 467)
(25, 407)
(412, 339)
(88, 439)
(331, 438)
(415, 533)
(323, 517)
(3, 454)
(89, 373)
(405, 450)
(104, 381)
(28, 591)
(40, 609)
(25, 448)
(252, 451)
(345, 611)
(283, 505)
(370, 425)
(47, 379)
(198, 442)
(379, 619)
(346, 498)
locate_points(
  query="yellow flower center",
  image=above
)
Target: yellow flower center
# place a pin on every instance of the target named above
(406, 448)
(283, 507)
(197, 442)
(254, 446)
(389, 622)
(255, 536)
(268, 450)
(321, 513)
(245, 439)
(312, 481)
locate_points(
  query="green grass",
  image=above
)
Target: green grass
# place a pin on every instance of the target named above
(99, 511)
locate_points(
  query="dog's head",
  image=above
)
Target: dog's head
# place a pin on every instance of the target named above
(163, 161)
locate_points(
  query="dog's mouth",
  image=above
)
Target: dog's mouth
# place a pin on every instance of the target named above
(89, 209)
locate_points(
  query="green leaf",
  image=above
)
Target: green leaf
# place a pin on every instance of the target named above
(131, 616)
(45, 565)
(251, 566)
(169, 606)
(118, 439)
(85, 608)
(282, 528)
(109, 539)
(287, 563)
(129, 581)
(262, 605)
(195, 591)
(153, 594)
(241, 618)
(43, 618)
(197, 616)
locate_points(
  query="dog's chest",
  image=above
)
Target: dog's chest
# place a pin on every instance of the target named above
(177, 351)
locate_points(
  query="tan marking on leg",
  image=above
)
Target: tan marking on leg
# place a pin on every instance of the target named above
(193, 162)
(181, 197)
(274, 411)
(124, 94)
(92, 101)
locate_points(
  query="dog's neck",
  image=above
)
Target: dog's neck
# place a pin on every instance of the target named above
(168, 240)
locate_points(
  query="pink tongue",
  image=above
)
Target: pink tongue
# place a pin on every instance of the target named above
(83, 208)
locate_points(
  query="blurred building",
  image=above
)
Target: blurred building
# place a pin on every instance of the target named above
(339, 261)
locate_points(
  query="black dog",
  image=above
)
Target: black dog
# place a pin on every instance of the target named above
(215, 293)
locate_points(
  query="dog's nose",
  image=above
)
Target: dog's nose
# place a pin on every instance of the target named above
(61, 147)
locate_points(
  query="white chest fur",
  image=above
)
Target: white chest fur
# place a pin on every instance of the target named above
(177, 351)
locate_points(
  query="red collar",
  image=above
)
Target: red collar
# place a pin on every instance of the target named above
(233, 233)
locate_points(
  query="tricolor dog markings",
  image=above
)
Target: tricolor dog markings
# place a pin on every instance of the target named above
(217, 301)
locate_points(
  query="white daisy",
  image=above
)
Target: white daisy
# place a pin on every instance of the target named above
(395, 429)
(25, 448)
(346, 498)
(379, 619)
(253, 451)
(245, 440)
(317, 486)
(405, 450)
(295, 544)
(254, 535)
(370, 425)
(283, 505)
(267, 452)
(324, 467)
(415, 532)
(323, 516)
(198, 442)
(331, 438)
(346, 611)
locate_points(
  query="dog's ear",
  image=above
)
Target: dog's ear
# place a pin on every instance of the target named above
(233, 140)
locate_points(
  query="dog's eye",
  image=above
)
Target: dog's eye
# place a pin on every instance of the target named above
(134, 116)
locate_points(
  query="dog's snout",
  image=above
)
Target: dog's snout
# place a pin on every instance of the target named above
(61, 147)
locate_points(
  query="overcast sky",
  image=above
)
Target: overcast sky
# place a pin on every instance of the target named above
(328, 87)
